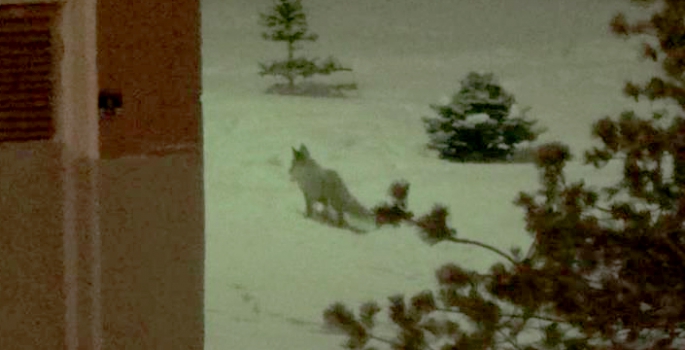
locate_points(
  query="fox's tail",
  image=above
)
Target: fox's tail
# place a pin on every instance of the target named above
(361, 218)
(357, 209)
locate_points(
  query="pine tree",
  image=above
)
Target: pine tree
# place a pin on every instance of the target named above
(607, 267)
(482, 122)
(287, 22)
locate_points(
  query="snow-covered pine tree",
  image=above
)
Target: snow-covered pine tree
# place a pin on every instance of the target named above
(481, 123)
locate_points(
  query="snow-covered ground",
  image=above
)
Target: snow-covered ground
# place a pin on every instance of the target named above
(269, 272)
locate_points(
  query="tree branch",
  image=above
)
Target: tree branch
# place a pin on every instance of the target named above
(382, 340)
(544, 318)
(604, 210)
(674, 247)
(511, 340)
(483, 245)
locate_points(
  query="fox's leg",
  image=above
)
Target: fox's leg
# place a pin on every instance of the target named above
(309, 206)
(327, 208)
(341, 218)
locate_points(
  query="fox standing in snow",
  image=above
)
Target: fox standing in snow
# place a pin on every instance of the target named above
(324, 186)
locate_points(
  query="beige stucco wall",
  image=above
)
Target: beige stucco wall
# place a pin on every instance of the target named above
(151, 228)
(32, 308)
(153, 252)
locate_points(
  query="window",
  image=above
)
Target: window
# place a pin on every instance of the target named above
(27, 68)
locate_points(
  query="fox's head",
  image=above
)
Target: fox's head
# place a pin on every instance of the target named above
(300, 157)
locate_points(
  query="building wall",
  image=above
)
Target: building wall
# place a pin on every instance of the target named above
(102, 234)
(149, 52)
(151, 203)
(32, 305)
(152, 252)
(32, 267)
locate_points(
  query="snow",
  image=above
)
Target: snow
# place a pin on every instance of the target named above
(270, 273)
(475, 119)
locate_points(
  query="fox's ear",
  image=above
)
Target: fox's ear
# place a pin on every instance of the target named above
(304, 150)
(296, 153)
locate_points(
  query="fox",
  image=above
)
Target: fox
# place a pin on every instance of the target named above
(324, 186)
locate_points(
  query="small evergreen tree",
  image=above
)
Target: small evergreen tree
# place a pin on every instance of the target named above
(481, 123)
(287, 22)
(606, 267)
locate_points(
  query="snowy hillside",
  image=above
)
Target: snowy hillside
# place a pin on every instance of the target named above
(269, 272)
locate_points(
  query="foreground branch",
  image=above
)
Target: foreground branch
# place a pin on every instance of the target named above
(483, 245)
